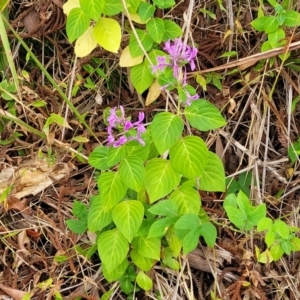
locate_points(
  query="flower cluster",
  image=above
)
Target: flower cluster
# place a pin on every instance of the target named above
(180, 55)
(117, 122)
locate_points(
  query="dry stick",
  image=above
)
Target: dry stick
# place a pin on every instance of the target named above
(245, 150)
(251, 60)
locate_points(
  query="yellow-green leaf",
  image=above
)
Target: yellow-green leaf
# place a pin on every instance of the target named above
(86, 43)
(107, 33)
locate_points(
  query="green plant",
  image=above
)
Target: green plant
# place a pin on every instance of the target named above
(148, 208)
(242, 213)
(294, 151)
(280, 239)
(88, 24)
(274, 26)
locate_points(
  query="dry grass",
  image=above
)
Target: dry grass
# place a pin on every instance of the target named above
(35, 243)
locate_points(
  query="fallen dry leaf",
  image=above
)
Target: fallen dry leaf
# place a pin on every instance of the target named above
(154, 92)
(32, 177)
(15, 294)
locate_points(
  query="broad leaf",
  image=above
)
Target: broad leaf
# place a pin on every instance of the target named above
(113, 275)
(126, 60)
(189, 156)
(128, 216)
(172, 30)
(115, 155)
(166, 128)
(144, 281)
(204, 116)
(160, 179)
(141, 77)
(92, 8)
(190, 241)
(292, 18)
(159, 227)
(213, 177)
(98, 158)
(142, 262)
(156, 29)
(167, 208)
(86, 43)
(112, 244)
(98, 216)
(146, 11)
(188, 221)
(144, 38)
(107, 33)
(209, 232)
(112, 7)
(77, 23)
(187, 199)
(149, 248)
(173, 241)
(132, 172)
(111, 189)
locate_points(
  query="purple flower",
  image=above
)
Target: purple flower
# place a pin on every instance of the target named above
(116, 122)
(190, 98)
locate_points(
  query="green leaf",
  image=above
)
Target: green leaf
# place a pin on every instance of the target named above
(190, 241)
(146, 11)
(128, 216)
(113, 275)
(77, 23)
(188, 221)
(134, 148)
(156, 29)
(172, 30)
(160, 179)
(259, 24)
(149, 248)
(187, 199)
(112, 244)
(115, 155)
(166, 128)
(236, 216)
(166, 208)
(292, 18)
(281, 228)
(132, 172)
(98, 158)
(98, 216)
(257, 214)
(143, 263)
(111, 188)
(92, 8)
(133, 5)
(270, 238)
(295, 244)
(77, 226)
(276, 252)
(79, 210)
(173, 241)
(213, 177)
(144, 281)
(189, 156)
(107, 33)
(204, 116)
(209, 232)
(112, 7)
(162, 4)
(160, 227)
(144, 38)
(272, 24)
(168, 259)
(286, 247)
(264, 224)
(141, 77)
(294, 151)
(276, 39)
